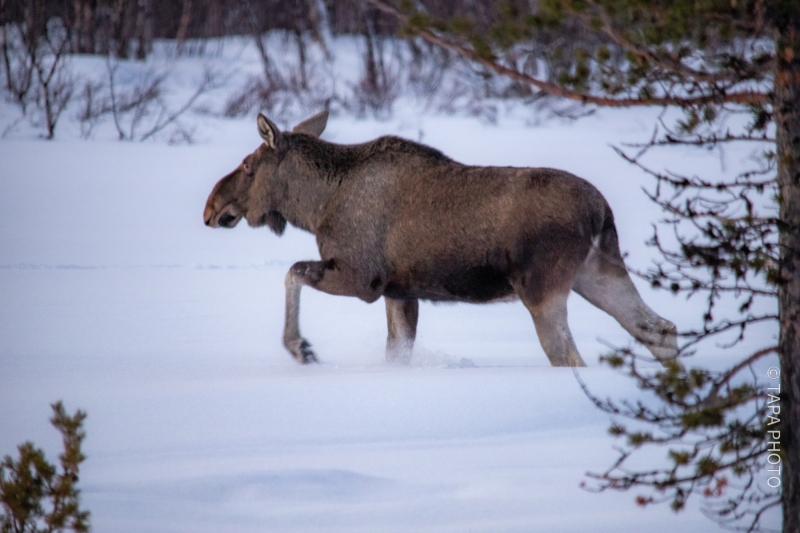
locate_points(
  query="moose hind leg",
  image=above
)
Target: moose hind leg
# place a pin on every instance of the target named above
(613, 291)
(550, 320)
(401, 317)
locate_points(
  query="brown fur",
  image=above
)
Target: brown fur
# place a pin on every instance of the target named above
(399, 219)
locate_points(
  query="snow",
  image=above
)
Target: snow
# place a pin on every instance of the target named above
(119, 301)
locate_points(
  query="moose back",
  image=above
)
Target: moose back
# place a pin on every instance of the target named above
(401, 220)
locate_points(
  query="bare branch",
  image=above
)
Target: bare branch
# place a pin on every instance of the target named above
(740, 97)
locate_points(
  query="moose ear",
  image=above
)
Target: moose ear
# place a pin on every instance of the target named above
(313, 126)
(268, 131)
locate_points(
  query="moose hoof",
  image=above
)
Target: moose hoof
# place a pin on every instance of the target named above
(398, 354)
(302, 352)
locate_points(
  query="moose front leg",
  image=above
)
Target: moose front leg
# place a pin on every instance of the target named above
(294, 342)
(327, 276)
(401, 316)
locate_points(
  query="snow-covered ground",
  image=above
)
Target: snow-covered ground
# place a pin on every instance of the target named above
(115, 298)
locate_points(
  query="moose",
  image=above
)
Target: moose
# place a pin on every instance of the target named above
(399, 219)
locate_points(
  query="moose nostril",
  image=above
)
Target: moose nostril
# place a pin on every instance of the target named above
(226, 220)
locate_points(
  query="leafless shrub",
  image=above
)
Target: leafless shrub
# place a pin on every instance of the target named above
(286, 95)
(378, 89)
(37, 75)
(379, 86)
(55, 80)
(17, 66)
(182, 135)
(93, 106)
(427, 69)
(129, 107)
(138, 103)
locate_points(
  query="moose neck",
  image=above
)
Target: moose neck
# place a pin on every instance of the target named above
(308, 181)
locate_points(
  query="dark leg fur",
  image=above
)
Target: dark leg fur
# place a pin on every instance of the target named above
(550, 319)
(401, 316)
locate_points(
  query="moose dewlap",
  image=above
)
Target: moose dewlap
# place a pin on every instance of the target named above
(399, 219)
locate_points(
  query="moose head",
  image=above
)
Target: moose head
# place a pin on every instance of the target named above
(251, 191)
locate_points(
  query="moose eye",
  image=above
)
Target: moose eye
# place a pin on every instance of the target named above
(247, 168)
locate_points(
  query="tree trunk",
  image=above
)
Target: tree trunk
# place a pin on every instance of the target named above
(183, 27)
(301, 55)
(214, 26)
(266, 63)
(144, 28)
(318, 14)
(372, 65)
(122, 34)
(787, 120)
(4, 45)
(257, 29)
(77, 28)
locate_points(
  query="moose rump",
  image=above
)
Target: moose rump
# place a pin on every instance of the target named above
(398, 219)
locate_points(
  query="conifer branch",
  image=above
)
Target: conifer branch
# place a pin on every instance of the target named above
(718, 96)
